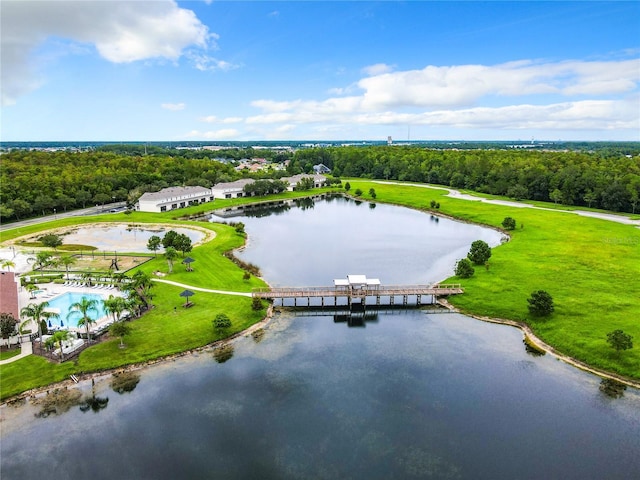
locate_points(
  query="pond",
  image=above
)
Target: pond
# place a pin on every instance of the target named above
(124, 238)
(408, 395)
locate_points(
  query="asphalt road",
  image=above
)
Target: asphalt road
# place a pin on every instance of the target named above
(73, 213)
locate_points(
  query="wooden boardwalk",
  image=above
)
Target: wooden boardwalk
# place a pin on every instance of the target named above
(359, 295)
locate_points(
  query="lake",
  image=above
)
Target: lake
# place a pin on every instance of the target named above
(407, 395)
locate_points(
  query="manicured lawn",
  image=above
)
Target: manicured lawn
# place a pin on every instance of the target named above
(590, 267)
(9, 354)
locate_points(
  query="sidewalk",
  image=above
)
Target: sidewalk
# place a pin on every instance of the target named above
(26, 349)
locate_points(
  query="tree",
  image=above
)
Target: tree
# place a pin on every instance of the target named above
(169, 238)
(347, 186)
(620, 340)
(509, 223)
(372, 193)
(183, 243)
(41, 260)
(120, 329)
(84, 306)
(479, 253)
(154, 244)
(256, 304)
(556, 196)
(38, 313)
(517, 192)
(170, 254)
(239, 227)
(464, 269)
(7, 325)
(357, 192)
(590, 197)
(67, 261)
(82, 197)
(540, 304)
(58, 337)
(115, 306)
(139, 288)
(221, 322)
(8, 264)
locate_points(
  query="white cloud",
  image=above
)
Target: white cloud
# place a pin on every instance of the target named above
(173, 106)
(223, 134)
(377, 69)
(209, 119)
(204, 62)
(232, 120)
(120, 31)
(599, 96)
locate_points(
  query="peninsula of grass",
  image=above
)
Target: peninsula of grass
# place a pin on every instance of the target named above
(589, 266)
(168, 328)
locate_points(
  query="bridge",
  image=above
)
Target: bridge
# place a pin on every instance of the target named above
(355, 290)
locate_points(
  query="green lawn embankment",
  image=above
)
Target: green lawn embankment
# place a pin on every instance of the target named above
(591, 267)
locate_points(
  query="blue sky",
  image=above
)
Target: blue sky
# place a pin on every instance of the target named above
(233, 70)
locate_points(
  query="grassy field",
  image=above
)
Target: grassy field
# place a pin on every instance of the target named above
(590, 267)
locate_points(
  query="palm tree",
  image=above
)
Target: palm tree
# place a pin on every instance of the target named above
(170, 254)
(84, 306)
(58, 338)
(41, 260)
(37, 313)
(8, 264)
(140, 286)
(115, 306)
(67, 262)
(87, 277)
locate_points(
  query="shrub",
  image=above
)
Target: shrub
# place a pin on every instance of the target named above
(509, 223)
(256, 304)
(540, 303)
(358, 192)
(221, 321)
(619, 340)
(464, 269)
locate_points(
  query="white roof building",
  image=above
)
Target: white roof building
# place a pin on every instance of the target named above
(318, 180)
(231, 189)
(172, 198)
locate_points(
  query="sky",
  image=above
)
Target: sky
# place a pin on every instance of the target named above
(165, 70)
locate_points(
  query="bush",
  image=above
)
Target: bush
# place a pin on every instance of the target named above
(619, 340)
(479, 253)
(358, 192)
(256, 304)
(540, 304)
(464, 269)
(509, 223)
(221, 322)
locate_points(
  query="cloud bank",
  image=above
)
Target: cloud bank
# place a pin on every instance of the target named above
(120, 32)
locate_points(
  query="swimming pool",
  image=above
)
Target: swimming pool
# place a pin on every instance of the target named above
(61, 303)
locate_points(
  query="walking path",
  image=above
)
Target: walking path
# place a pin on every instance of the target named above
(26, 348)
(465, 196)
(199, 289)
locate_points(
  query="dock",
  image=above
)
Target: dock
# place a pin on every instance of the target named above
(357, 291)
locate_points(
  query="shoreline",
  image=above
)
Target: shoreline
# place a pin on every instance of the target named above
(527, 332)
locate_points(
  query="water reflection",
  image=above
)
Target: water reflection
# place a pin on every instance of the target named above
(612, 388)
(93, 402)
(224, 353)
(124, 382)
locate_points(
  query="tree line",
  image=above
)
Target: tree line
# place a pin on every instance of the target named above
(601, 179)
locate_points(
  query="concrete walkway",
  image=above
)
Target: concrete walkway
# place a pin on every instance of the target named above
(465, 196)
(26, 349)
(199, 289)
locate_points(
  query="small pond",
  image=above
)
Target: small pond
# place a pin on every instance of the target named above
(124, 238)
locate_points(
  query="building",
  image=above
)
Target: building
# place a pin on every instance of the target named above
(321, 168)
(318, 180)
(174, 197)
(231, 189)
(9, 294)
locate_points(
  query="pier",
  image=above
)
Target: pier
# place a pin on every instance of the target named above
(356, 291)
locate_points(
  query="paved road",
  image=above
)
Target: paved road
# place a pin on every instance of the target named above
(73, 213)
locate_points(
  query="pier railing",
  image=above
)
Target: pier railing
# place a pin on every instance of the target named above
(368, 291)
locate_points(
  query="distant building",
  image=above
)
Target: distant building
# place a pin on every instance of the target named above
(318, 180)
(9, 294)
(321, 168)
(173, 197)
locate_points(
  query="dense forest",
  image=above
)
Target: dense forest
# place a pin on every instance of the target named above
(36, 183)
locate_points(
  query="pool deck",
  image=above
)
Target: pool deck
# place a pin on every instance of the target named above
(52, 290)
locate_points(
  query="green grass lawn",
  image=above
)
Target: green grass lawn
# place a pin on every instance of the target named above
(590, 267)
(7, 355)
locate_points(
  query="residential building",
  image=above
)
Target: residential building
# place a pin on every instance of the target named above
(9, 294)
(318, 180)
(231, 189)
(173, 197)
